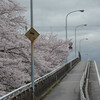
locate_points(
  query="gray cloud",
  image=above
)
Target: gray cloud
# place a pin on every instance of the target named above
(49, 16)
(53, 12)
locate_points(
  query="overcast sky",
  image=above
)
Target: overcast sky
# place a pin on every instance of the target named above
(50, 16)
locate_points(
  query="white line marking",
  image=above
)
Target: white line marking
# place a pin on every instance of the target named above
(97, 72)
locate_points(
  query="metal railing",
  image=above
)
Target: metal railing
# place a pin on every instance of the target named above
(42, 84)
(84, 83)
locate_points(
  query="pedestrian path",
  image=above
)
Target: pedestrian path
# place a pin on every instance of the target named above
(68, 89)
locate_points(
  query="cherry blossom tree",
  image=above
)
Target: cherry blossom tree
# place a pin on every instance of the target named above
(15, 53)
(11, 22)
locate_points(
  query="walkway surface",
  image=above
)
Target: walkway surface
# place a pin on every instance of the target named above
(68, 89)
(94, 86)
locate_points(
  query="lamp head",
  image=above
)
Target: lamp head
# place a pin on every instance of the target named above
(81, 10)
(86, 38)
(85, 24)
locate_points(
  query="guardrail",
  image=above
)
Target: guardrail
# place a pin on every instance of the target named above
(42, 84)
(84, 83)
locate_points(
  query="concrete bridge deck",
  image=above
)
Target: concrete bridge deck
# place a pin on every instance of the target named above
(68, 89)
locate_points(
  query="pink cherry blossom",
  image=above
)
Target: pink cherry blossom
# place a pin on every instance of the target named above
(15, 49)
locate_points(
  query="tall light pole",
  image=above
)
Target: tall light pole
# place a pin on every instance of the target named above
(32, 58)
(80, 43)
(75, 34)
(67, 16)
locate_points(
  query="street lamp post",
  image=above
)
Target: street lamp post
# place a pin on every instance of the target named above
(75, 34)
(80, 43)
(66, 19)
(32, 60)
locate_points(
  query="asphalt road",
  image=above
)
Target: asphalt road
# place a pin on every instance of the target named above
(94, 86)
(68, 89)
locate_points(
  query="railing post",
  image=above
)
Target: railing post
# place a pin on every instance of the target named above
(79, 55)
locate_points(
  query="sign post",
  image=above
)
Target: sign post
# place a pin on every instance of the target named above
(32, 34)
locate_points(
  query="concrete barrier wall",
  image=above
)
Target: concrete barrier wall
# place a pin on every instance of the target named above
(42, 84)
(84, 83)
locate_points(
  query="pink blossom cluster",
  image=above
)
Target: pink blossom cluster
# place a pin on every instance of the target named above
(15, 49)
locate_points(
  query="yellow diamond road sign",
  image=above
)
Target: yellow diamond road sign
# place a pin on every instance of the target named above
(32, 34)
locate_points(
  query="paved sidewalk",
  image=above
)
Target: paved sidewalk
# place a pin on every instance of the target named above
(68, 89)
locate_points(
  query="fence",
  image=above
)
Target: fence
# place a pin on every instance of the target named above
(42, 84)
